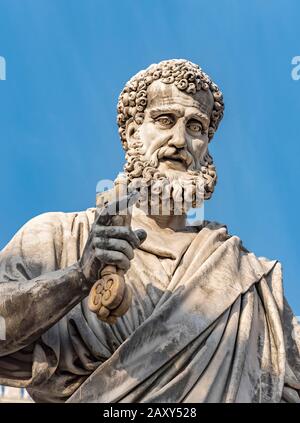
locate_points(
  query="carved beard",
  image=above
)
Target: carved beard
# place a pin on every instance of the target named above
(171, 192)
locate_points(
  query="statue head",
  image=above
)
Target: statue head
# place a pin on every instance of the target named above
(167, 115)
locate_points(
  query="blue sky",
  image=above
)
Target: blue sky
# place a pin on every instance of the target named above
(67, 61)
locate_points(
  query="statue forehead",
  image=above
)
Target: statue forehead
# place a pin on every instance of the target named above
(159, 94)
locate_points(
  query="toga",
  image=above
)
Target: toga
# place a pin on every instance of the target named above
(209, 321)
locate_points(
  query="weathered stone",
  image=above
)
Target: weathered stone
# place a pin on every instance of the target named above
(207, 319)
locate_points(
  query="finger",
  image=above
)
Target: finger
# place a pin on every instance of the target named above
(141, 234)
(114, 244)
(113, 257)
(119, 232)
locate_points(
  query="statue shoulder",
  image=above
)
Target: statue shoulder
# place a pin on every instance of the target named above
(44, 243)
(50, 227)
(52, 220)
(213, 225)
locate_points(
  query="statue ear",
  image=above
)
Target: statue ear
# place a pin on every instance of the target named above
(131, 130)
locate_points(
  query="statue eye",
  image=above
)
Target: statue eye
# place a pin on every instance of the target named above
(195, 126)
(164, 120)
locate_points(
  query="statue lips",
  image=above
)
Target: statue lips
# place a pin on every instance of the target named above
(179, 161)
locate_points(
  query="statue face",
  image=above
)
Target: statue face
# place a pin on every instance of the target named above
(179, 123)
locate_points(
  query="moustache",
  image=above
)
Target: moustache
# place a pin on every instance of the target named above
(171, 153)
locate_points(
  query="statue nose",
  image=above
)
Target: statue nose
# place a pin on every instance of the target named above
(178, 139)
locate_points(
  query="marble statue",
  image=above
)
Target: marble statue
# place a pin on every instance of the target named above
(206, 320)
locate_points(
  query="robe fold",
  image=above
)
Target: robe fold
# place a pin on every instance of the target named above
(208, 323)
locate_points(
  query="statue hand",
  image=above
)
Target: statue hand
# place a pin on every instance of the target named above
(110, 241)
(106, 258)
(109, 245)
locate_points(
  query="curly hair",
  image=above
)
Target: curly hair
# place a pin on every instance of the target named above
(185, 75)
